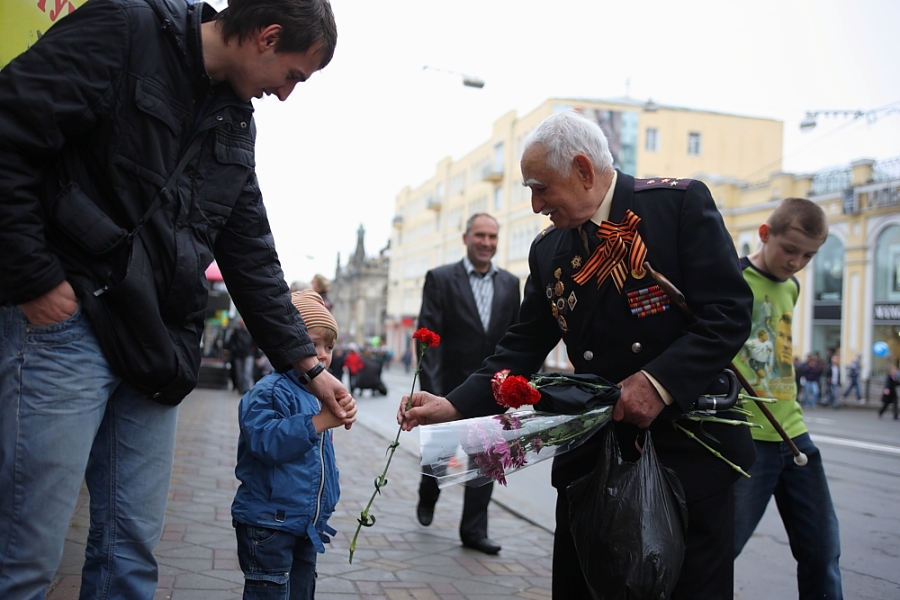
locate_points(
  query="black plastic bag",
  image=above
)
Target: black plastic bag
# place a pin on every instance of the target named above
(628, 521)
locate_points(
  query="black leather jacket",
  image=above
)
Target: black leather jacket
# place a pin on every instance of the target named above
(109, 98)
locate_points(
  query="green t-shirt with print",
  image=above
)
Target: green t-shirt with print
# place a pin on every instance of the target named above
(766, 359)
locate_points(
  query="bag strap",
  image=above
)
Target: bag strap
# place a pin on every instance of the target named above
(166, 192)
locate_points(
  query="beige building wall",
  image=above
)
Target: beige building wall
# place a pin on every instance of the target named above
(429, 220)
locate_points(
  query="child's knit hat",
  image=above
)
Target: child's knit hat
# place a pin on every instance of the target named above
(313, 310)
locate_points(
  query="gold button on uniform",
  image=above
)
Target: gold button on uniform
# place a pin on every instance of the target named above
(636, 347)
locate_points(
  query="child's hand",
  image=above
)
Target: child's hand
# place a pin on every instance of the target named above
(348, 403)
(326, 420)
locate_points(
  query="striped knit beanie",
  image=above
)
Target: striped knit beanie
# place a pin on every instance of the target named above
(313, 310)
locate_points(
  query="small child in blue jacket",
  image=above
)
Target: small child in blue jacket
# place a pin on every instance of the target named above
(289, 480)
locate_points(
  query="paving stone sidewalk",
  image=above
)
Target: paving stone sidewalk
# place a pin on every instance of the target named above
(396, 559)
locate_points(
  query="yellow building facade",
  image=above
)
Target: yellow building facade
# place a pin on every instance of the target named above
(646, 140)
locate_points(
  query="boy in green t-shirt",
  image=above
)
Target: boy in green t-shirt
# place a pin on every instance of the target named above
(789, 239)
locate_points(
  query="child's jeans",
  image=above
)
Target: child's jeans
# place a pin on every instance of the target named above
(277, 565)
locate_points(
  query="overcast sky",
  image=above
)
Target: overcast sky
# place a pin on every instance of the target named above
(336, 154)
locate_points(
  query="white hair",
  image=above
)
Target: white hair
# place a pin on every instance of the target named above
(566, 134)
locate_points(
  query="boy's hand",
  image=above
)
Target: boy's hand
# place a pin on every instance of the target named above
(325, 420)
(326, 388)
(349, 405)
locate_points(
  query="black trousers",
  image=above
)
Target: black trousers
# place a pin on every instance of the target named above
(474, 523)
(708, 569)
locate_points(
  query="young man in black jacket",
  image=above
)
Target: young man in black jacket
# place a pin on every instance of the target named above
(126, 166)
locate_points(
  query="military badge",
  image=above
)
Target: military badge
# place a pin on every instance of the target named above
(648, 301)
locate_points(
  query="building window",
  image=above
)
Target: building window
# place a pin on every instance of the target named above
(694, 144)
(499, 157)
(498, 198)
(652, 141)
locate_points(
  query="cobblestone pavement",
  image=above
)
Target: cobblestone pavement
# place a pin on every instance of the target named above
(395, 559)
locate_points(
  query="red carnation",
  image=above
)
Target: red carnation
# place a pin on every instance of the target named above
(426, 336)
(515, 391)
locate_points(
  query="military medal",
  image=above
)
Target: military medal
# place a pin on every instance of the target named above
(648, 301)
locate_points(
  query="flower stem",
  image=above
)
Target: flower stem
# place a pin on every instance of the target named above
(366, 519)
(715, 453)
(709, 419)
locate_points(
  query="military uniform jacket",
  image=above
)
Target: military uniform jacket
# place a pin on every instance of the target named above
(687, 242)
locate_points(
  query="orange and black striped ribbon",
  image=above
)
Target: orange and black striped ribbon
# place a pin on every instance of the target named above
(608, 259)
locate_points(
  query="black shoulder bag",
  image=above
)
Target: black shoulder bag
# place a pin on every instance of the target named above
(158, 358)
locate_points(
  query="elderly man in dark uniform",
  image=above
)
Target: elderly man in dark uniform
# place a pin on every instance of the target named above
(470, 304)
(588, 286)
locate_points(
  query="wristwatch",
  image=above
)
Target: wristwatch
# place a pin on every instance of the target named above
(312, 373)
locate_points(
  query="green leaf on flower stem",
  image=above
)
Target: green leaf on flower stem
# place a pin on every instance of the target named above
(366, 520)
(559, 431)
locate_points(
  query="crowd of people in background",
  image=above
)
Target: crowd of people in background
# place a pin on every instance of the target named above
(820, 382)
(359, 368)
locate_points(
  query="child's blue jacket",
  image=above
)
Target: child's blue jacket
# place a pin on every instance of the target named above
(288, 476)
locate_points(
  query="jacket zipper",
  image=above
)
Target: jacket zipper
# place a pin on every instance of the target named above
(321, 479)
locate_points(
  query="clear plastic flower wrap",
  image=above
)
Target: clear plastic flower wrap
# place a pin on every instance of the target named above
(477, 451)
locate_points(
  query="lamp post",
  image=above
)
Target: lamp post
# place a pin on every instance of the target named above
(809, 122)
(467, 80)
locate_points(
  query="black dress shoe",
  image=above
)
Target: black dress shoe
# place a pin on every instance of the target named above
(486, 545)
(425, 514)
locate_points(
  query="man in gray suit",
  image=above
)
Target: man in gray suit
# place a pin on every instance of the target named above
(470, 304)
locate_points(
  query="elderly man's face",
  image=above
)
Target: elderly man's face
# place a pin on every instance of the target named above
(565, 198)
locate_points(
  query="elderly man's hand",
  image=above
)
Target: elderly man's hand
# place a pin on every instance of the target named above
(639, 402)
(425, 409)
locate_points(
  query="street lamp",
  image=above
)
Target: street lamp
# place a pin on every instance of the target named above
(810, 121)
(467, 80)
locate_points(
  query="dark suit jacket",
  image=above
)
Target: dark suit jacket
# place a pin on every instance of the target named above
(448, 309)
(688, 243)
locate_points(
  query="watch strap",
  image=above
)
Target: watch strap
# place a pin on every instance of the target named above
(312, 373)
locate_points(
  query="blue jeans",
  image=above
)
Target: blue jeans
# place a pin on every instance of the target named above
(854, 386)
(834, 393)
(810, 393)
(277, 565)
(804, 503)
(64, 418)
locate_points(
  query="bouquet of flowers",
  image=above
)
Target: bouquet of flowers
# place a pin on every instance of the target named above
(568, 409)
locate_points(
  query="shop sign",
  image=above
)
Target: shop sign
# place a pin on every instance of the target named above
(887, 312)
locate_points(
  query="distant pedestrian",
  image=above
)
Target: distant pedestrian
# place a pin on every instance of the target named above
(407, 360)
(322, 286)
(811, 373)
(337, 363)
(889, 393)
(853, 374)
(354, 365)
(241, 354)
(289, 481)
(833, 382)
